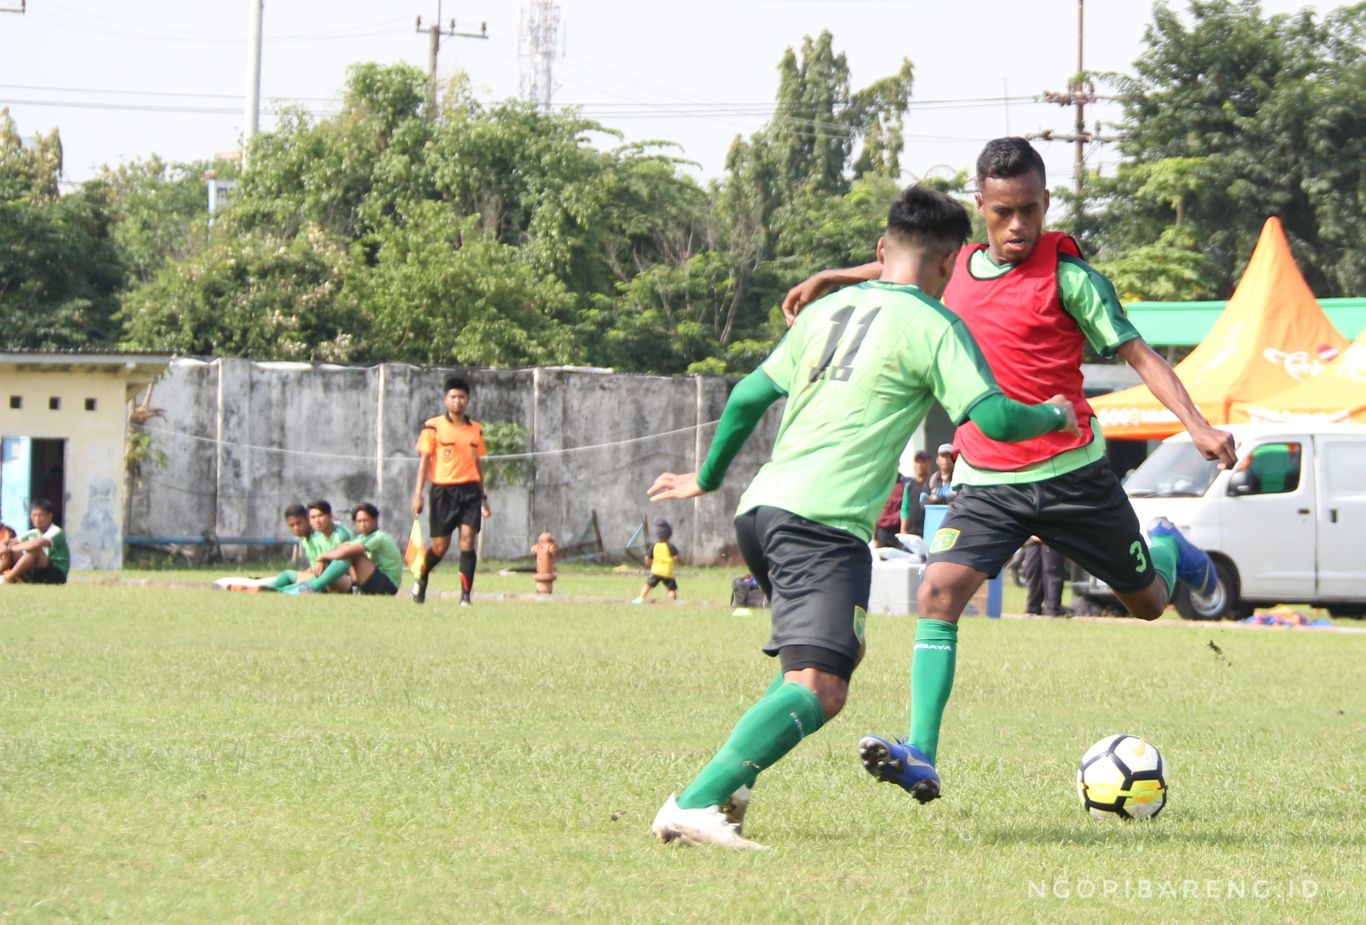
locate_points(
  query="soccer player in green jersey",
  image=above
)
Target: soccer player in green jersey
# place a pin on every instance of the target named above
(375, 562)
(860, 371)
(326, 534)
(1033, 304)
(317, 533)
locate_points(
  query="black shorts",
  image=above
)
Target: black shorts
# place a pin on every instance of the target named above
(1084, 515)
(816, 579)
(378, 583)
(669, 583)
(47, 575)
(454, 506)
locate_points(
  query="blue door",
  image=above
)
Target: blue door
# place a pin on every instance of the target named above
(16, 479)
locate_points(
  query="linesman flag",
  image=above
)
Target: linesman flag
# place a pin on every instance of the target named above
(416, 551)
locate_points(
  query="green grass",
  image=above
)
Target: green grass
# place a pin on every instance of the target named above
(177, 755)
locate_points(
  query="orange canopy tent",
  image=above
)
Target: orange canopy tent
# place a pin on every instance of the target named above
(1336, 396)
(1271, 336)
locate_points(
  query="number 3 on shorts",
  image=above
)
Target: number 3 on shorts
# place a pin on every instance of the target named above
(1136, 550)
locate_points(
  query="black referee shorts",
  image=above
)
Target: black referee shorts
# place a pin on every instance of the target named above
(1083, 514)
(453, 506)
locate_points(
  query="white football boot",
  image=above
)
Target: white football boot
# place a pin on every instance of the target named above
(705, 826)
(735, 808)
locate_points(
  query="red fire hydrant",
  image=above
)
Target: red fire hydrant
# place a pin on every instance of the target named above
(545, 552)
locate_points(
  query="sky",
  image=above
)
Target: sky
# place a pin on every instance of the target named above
(123, 81)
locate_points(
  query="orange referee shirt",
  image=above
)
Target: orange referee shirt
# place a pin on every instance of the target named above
(453, 449)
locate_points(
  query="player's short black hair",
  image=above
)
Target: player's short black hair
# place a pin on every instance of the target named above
(922, 216)
(456, 382)
(296, 510)
(1005, 158)
(368, 508)
(320, 505)
(41, 504)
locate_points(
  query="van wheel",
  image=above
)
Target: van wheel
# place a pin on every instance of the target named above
(1223, 602)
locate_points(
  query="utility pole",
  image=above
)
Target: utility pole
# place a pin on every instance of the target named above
(434, 34)
(1080, 91)
(252, 115)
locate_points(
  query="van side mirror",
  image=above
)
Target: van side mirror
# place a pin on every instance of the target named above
(1244, 482)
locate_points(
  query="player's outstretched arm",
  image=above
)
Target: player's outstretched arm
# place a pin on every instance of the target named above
(674, 486)
(813, 287)
(1005, 419)
(1162, 381)
(748, 401)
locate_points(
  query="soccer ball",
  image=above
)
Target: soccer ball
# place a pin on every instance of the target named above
(1122, 777)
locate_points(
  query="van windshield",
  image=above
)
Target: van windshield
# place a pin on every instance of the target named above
(1174, 470)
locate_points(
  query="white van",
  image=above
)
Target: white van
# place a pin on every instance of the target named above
(1286, 525)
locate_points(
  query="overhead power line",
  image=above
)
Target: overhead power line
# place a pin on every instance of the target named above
(122, 28)
(434, 35)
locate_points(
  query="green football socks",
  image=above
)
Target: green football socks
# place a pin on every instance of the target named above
(282, 580)
(1162, 550)
(932, 666)
(768, 731)
(335, 569)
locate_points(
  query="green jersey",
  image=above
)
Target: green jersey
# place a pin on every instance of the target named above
(316, 543)
(861, 368)
(59, 554)
(383, 551)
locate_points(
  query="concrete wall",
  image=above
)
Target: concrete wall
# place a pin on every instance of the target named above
(244, 439)
(94, 453)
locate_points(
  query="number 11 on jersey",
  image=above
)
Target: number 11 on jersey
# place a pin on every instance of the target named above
(840, 325)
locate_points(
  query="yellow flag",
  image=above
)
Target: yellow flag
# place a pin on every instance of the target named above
(416, 551)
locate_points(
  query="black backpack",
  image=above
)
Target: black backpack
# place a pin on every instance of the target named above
(745, 592)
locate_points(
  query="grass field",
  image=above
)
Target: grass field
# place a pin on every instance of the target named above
(176, 755)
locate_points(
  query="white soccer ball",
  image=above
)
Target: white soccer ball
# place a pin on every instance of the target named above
(1122, 777)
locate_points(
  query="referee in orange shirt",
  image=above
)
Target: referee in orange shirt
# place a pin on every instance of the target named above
(450, 446)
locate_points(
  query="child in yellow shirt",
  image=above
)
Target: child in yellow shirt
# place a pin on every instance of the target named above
(662, 560)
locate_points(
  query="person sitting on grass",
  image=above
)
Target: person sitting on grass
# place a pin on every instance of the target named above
(6, 557)
(375, 564)
(317, 533)
(39, 556)
(662, 560)
(326, 535)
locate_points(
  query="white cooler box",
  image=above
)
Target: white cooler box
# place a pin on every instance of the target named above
(895, 585)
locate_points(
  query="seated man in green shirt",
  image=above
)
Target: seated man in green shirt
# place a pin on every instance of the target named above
(860, 371)
(39, 556)
(373, 558)
(325, 534)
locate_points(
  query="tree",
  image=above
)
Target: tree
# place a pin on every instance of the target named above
(1235, 118)
(59, 268)
(443, 292)
(257, 294)
(158, 212)
(794, 174)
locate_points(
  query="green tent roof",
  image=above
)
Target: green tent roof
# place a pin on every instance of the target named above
(1185, 324)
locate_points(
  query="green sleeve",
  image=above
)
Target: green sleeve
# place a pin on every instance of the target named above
(1005, 419)
(1091, 300)
(959, 375)
(747, 403)
(906, 502)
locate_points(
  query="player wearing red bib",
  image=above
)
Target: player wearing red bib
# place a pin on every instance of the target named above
(1032, 304)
